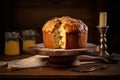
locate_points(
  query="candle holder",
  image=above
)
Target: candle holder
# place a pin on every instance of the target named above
(103, 46)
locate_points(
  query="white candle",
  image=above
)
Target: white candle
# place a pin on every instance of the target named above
(103, 19)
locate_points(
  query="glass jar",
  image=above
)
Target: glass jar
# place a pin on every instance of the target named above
(12, 43)
(29, 39)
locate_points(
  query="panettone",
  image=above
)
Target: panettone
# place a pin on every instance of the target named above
(65, 33)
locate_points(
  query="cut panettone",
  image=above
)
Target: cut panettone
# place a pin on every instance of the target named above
(65, 33)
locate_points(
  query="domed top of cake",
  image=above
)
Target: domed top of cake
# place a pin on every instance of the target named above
(67, 23)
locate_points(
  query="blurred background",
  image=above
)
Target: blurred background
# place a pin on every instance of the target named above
(18, 15)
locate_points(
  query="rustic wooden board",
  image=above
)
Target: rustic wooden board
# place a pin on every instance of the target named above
(40, 49)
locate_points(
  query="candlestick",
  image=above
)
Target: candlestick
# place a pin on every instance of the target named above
(103, 46)
(103, 19)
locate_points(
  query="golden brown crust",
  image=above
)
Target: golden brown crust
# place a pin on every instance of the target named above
(48, 40)
(82, 39)
(68, 23)
(50, 25)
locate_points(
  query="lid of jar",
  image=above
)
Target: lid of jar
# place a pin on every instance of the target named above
(12, 34)
(28, 32)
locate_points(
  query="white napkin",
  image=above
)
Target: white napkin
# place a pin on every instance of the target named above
(30, 62)
(36, 61)
(87, 59)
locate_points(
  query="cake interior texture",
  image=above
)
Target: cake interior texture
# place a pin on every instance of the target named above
(59, 37)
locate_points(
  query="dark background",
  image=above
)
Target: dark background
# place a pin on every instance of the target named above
(18, 15)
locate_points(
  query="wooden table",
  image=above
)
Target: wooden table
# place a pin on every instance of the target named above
(113, 71)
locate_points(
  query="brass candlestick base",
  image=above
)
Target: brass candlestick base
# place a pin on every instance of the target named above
(102, 46)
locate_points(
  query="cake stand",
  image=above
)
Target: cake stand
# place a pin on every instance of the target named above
(62, 57)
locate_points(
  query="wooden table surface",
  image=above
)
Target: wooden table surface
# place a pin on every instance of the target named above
(113, 71)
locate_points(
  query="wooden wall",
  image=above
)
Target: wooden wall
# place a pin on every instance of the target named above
(32, 14)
